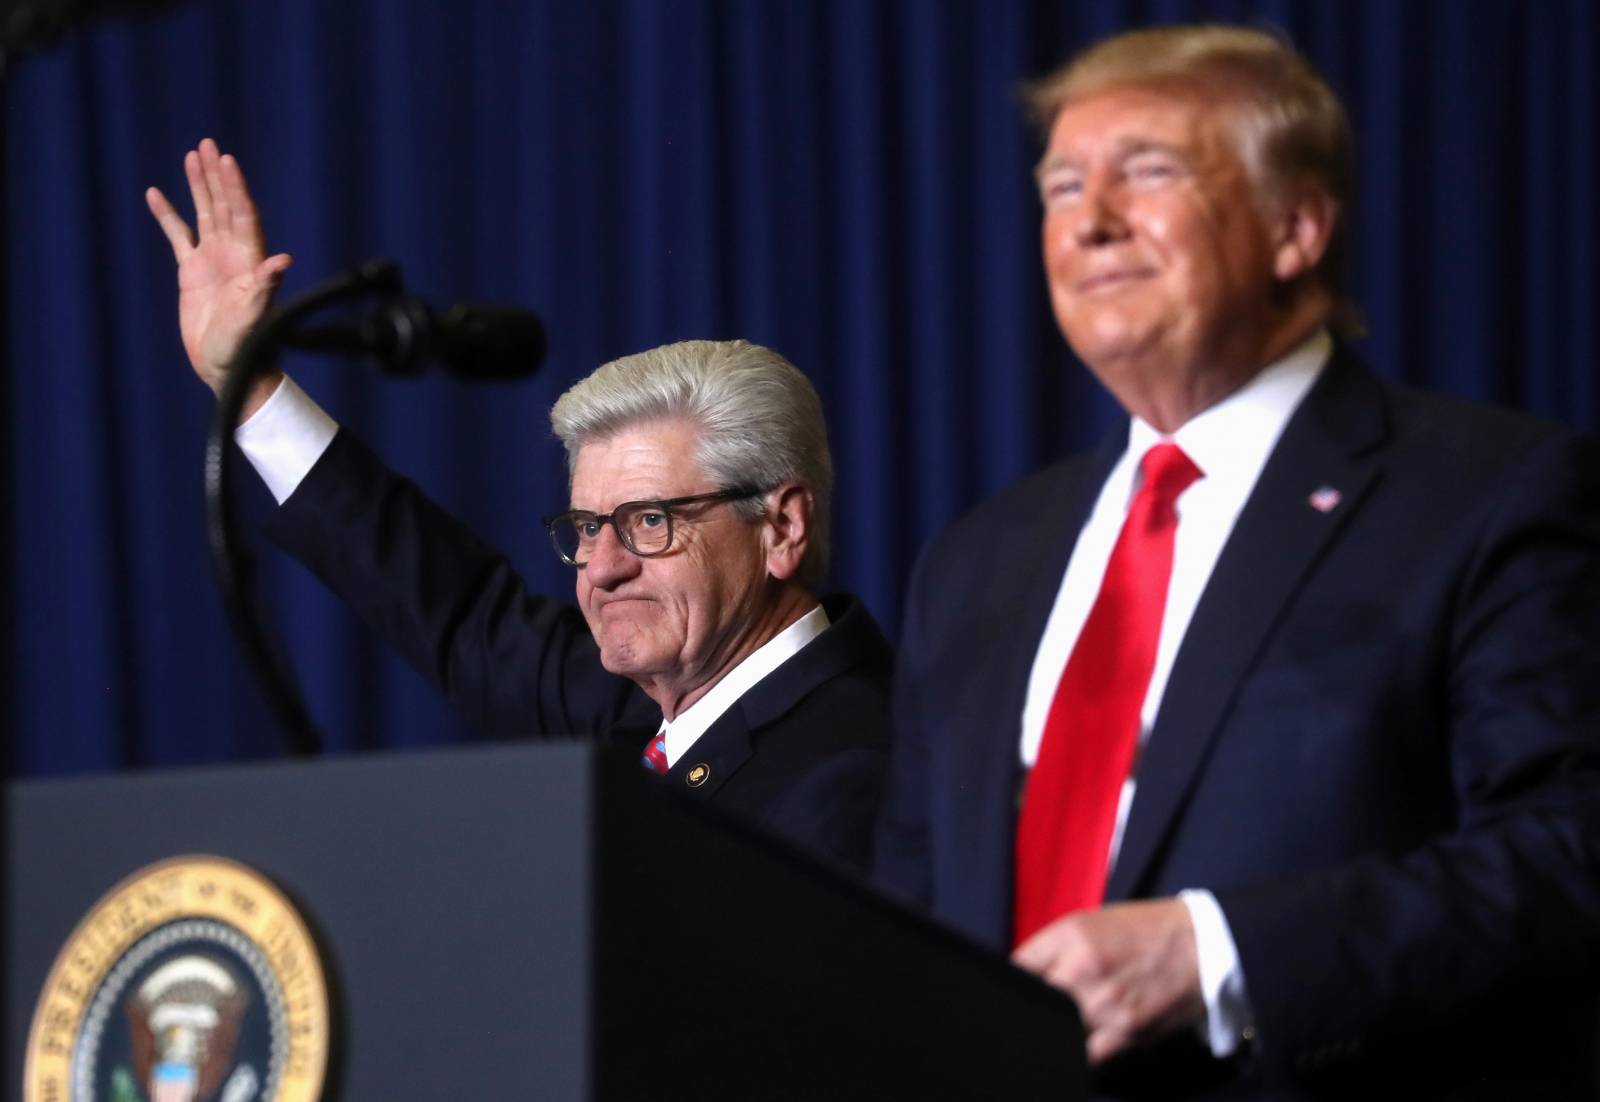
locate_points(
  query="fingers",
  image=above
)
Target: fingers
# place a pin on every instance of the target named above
(1037, 953)
(211, 166)
(1032, 955)
(1103, 1044)
(237, 194)
(1061, 956)
(1131, 968)
(1060, 953)
(199, 192)
(270, 270)
(1129, 1012)
(222, 202)
(172, 224)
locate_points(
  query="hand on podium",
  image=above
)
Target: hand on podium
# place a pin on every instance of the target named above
(1132, 967)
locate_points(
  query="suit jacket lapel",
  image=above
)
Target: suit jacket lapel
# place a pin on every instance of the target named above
(1028, 574)
(1021, 574)
(851, 640)
(1330, 442)
(714, 757)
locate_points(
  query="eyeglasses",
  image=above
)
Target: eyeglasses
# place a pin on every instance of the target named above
(644, 527)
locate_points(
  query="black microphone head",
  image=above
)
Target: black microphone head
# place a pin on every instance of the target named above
(489, 342)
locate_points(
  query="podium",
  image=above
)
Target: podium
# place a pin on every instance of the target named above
(547, 921)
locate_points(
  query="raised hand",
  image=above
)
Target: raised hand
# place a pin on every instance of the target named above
(225, 280)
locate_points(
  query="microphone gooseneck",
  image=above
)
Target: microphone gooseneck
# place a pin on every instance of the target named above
(402, 334)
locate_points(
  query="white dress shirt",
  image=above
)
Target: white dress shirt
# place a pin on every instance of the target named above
(284, 439)
(1230, 443)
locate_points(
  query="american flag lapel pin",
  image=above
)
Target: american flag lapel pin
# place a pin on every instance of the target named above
(1324, 499)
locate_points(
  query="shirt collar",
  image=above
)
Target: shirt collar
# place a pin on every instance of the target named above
(1232, 438)
(698, 717)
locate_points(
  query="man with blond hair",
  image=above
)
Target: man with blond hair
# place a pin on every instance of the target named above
(700, 484)
(1270, 730)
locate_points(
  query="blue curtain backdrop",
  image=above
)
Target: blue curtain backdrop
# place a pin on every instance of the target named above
(848, 182)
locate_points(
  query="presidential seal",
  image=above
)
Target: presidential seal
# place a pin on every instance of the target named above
(193, 980)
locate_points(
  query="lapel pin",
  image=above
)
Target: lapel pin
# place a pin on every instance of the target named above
(1325, 499)
(697, 776)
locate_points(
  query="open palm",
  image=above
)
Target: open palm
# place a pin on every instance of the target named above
(224, 279)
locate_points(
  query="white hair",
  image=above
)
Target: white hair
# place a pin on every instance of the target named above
(758, 417)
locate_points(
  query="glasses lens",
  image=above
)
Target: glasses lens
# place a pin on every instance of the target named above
(574, 535)
(647, 526)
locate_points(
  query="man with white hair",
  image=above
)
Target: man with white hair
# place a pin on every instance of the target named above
(700, 485)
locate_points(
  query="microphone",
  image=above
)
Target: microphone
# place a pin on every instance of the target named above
(488, 342)
(472, 343)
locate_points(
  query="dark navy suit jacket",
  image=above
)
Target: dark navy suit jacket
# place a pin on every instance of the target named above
(1379, 746)
(802, 754)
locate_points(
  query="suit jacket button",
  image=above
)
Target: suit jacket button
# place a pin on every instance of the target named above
(697, 776)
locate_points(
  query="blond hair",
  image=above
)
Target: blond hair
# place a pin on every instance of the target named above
(1291, 126)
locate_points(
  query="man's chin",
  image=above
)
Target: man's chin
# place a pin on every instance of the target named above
(626, 658)
(1104, 348)
(627, 670)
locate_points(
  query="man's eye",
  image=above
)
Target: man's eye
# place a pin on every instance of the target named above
(651, 520)
(1060, 189)
(1151, 170)
(587, 529)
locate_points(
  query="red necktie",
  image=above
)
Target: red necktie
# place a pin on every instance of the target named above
(1092, 732)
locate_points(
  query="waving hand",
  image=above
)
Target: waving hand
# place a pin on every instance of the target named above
(225, 280)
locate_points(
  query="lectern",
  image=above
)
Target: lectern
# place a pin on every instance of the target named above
(537, 922)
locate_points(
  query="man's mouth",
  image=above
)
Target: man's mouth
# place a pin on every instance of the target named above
(1109, 282)
(621, 606)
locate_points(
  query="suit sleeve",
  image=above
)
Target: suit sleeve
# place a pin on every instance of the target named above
(510, 662)
(1497, 920)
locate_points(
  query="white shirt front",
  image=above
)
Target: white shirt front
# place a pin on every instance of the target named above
(1230, 443)
(284, 439)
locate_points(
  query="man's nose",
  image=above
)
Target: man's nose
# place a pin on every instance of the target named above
(610, 563)
(1097, 216)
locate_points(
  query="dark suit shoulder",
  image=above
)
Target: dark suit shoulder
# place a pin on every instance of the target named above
(1354, 407)
(831, 697)
(1465, 428)
(818, 739)
(1034, 520)
(1041, 491)
(1465, 467)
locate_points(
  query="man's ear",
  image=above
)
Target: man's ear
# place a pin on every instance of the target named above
(788, 529)
(1302, 228)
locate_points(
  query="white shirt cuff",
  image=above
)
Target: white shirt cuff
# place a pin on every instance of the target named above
(1229, 1018)
(285, 437)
